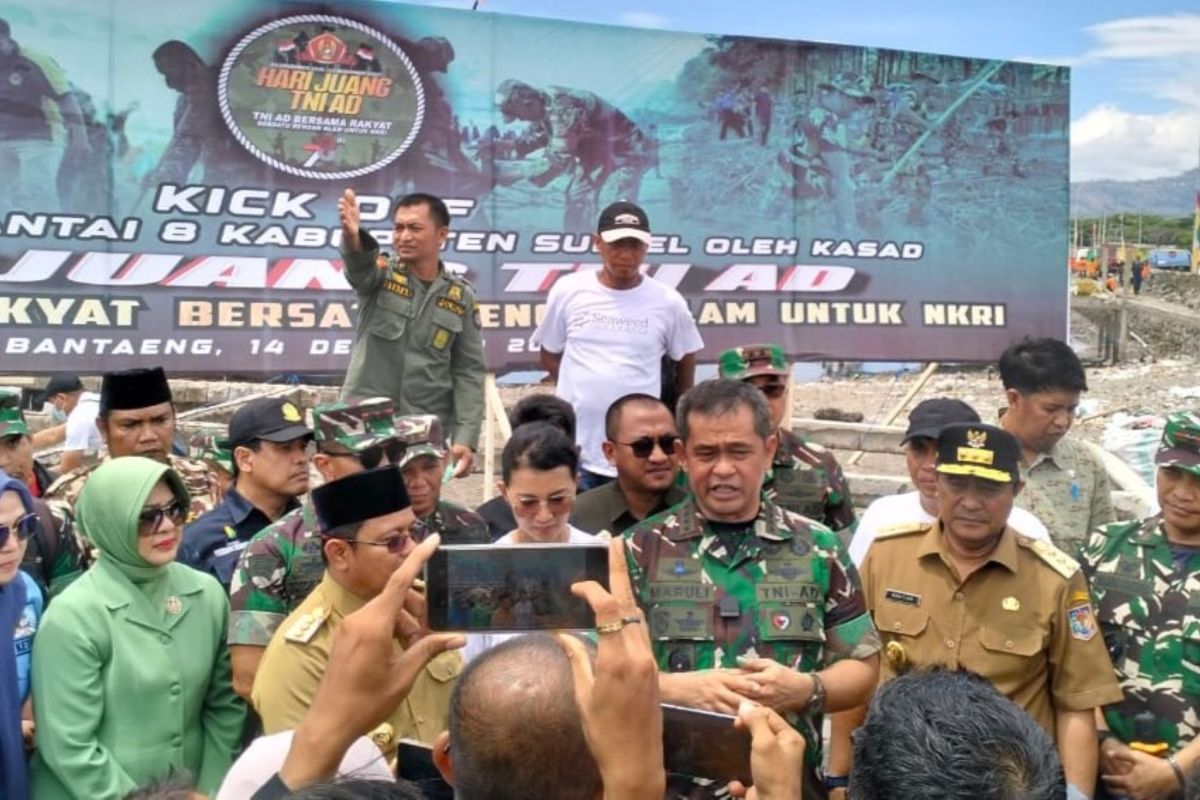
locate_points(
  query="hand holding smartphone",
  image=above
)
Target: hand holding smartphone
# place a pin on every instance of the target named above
(517, 589)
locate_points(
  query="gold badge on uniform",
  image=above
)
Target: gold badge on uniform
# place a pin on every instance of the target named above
(455, 293)
(174, 606)
(441, 338)
(1010, 604)
(896, 656)
(290, 413)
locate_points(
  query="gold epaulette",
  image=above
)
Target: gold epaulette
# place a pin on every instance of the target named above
(902, 529)
(305, 628)
(1059, 561)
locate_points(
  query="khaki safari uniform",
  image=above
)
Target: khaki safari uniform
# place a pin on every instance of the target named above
(1023, 621)
(295, 660)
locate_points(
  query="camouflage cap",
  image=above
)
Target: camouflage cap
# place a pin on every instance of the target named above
(211, 447)
(421, 435)
(355, 425)
(740, 363)
(1180, 446)
(12, 419)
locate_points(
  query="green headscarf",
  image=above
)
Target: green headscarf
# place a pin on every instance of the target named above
(108, 510)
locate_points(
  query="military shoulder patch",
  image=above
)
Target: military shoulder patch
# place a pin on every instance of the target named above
(903, 529)
(1056, 559)
(305, 628)
(1081, 622)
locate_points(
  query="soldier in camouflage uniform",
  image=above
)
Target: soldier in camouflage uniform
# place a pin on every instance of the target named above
(417, 338)
(422, 465)
(805, 478)
(1145, 579)
(745, 600)
(282, 563)
(603, 151)
(52, 557)
(137, 418)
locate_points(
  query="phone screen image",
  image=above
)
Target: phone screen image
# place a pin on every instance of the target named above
(703, 744)
(484, 588)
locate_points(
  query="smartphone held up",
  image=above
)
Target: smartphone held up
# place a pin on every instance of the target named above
(490, 589)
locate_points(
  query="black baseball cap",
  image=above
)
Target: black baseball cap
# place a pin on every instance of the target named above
(930, 416)
(983, 451)
(360, 497)
(62, 383)
(273, 419)
(624, 220)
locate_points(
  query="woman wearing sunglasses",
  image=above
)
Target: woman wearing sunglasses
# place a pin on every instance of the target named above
(130, 670)
(20, 609)
(539, 468)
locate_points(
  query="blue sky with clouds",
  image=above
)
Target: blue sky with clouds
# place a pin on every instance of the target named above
(1135, 95)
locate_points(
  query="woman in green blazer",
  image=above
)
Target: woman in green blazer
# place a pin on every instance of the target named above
(131, 673)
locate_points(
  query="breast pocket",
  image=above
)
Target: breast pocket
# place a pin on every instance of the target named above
(445, 329)
(690, 622)
(391, 315)
(1011, 656)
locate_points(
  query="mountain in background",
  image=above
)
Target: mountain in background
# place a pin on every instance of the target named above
(1173, 197)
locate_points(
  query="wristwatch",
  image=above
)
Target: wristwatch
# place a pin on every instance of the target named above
(816, 700)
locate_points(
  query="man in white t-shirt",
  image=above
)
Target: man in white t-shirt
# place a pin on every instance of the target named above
(925, 422)
(76, 411)
(606, 331)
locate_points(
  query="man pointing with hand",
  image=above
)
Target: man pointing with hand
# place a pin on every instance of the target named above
(417, 337)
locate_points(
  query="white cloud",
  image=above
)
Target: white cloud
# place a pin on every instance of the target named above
(1144, 38)
(1108, 142)
(643, 19)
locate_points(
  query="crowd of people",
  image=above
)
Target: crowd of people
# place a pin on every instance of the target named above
(217, 626)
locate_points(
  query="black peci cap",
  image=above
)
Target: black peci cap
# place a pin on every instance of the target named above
(360, 497)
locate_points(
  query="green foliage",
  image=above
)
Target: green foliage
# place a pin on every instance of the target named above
(1156, 230)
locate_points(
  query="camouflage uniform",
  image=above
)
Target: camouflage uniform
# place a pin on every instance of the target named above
(603, 151)
(282, 563)
(1147, 600)
(789, 593)
(52, 557)
(418, 345)
(202, 482)
(455, 524)
(277, 570)
(805, 478)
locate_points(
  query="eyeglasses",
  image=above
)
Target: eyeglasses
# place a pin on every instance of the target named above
(23, 527)
(530, 505)
(774, 391)
(371, 457)
(394, 544)
(150, 520)
(643, 447)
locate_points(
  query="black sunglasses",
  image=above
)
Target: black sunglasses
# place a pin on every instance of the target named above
(643, 447)
(24, 527)
(150, 520)
(371, 457)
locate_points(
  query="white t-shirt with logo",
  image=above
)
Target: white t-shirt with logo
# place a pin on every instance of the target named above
(612, 342)
(901, 508)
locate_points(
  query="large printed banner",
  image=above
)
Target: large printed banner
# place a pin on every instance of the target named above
(169, 172)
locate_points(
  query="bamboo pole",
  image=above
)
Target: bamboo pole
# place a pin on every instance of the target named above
(926, 374)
